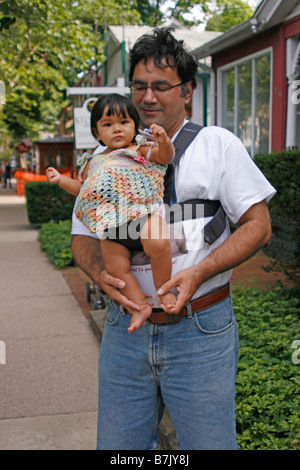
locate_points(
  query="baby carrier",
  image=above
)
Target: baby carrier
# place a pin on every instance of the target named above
(216, 226)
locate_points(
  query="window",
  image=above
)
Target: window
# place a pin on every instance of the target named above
(244, 113)
(228, 100)
(262, 105)
(245, 101)
(56, 158)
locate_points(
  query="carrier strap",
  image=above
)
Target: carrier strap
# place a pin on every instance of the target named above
(198, 208)
(184, 139)
(213, 229)
(181, 143)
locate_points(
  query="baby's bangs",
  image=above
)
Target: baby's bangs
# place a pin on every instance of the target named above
(116, 107)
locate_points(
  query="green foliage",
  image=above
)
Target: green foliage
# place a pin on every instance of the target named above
(149, 11)
(218, 15)
(47, 202)
(44, 50)
(55, 240)
(282, 170)
(6, 21)
(228, 13)
(50, 208)
(267, 385)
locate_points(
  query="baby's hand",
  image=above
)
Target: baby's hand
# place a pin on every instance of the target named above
(159, 133)
(53, 176)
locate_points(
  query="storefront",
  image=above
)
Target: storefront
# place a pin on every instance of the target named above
(57, 151)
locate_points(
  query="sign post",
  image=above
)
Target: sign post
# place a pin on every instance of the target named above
(82, 128)
(84, 139)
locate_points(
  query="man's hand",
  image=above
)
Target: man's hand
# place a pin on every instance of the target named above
(111, 286)
(87, 253)
(185, 283)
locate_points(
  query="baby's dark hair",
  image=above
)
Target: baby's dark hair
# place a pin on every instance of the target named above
(117, 104)
(165, 51)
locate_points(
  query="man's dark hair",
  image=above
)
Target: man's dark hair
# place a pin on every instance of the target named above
(117, 104)
(166, 51)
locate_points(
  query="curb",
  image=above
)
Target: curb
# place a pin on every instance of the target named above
(167, 433)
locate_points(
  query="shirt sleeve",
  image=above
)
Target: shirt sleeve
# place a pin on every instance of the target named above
(242, 182)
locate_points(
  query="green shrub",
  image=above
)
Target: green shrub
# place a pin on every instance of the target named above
(282, 170)
(268, 380)
(55, 239)
(46, 202)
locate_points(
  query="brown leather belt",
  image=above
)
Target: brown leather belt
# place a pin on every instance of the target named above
(209, 300)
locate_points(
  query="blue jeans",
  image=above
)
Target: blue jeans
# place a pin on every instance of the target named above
(189, 367)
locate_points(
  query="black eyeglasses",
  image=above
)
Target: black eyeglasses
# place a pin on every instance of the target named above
(158, 89)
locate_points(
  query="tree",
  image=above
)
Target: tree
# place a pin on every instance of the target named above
(227, 14)
(181, 7)
(150, 12)
(43, 49)
(6, 21)
(218, 15)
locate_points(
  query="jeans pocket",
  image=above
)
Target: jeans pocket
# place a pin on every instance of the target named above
(112, 315)
(216, 319)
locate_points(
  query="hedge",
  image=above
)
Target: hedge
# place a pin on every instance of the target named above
(268, 380)
(282, 169)
(47, 202)
(55, 240)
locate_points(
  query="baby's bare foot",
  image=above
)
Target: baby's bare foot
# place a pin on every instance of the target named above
(139, 318)
(168, 300)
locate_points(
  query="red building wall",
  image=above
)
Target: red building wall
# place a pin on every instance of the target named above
(275, 38)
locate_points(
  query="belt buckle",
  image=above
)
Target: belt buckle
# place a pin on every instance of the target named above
(173, 318)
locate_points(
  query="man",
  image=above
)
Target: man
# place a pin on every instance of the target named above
(7, 175)
(188, 366)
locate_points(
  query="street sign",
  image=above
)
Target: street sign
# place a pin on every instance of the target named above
(82, 126)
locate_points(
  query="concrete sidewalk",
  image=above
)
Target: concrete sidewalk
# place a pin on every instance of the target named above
(48, 352)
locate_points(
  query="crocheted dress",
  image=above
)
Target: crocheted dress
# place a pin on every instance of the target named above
(121, 186)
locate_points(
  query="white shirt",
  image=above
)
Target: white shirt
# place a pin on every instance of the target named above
(216, 166)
